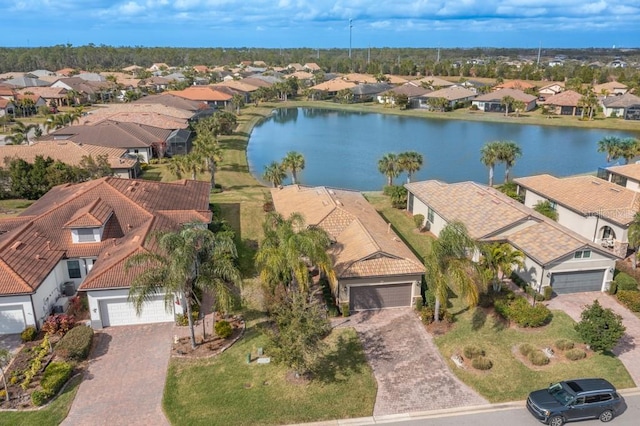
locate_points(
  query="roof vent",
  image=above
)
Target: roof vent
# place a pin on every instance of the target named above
(38, 257)
(595, 182)
(16, 245)
(614, 189)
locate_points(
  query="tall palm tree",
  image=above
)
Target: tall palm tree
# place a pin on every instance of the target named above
(507, 101)
(185, 260)
(489, 155)
(448, 266)
(410, 162)
(20, 133)
(388, 166)
(293, 161)
(207, 150)
(498, 261)
(508, 153)
(288, 247)
(611, 146)
(629, 148)
(633, 237)
(191, 163)
(274, 173)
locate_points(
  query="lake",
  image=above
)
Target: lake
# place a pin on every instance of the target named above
(342, 149)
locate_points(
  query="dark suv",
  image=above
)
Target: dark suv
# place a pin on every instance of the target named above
(572, 400)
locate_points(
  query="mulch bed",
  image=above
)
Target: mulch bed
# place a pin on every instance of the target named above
(558, 357)
(211, 345)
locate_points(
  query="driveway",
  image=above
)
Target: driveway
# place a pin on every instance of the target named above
(411, 374)
(628, 350)
(125, 379)
(11, 342)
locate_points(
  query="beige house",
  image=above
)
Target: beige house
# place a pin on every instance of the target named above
(374, 268)
(598, 210)
(625, 106)
(627, 175)
(554, 255)
(492, 102)
(564, 103)
(454, 95)
(611, 88)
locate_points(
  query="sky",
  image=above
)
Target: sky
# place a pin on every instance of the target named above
(321, 23)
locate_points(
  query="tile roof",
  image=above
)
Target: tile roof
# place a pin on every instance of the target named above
(334, 85)
(490, 215)
(566, 98)
(496, 96)
(622, 101)
(434, 81)
(586, 195)
(149, 118)
(33, 243)
(365, 245)
(201, 93)
(452, 93)
(166, 104)
(515, 84)
(608, 87)
(631, 171)
(46, 92)
(237, 85)
(409, 89)
(113, 134)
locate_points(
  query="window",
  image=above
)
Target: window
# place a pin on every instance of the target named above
(553, 204)
(430, 215)
(583, 254)
(73, 266)
(85, 235)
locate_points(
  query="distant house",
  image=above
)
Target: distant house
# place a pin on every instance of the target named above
(367, 92)
(155, 84)
(332, 87)
(26, 81)
(625, 106)
(359, 78)
(611, 88)
(565, 103)
(515, 84)
(312, 67)
(415, 93)
(492, 101)
(551, 89)
(51, 95)
(160, 66)
(85, 90)
(627, 175)
(7, 107)
(454, 95)
(295, 67)
(205, 94)
(433, 82)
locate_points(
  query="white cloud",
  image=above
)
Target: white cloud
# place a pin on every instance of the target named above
(131, 8)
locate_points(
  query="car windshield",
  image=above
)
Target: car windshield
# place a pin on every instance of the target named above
(560, 394)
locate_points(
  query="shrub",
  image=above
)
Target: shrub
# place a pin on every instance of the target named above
(613, 287)
(345, 309)
(600, 328)
(526, 349)
(29, 334)
(548, 292)
(625, 281)
(55, 376)
(537, 357)
(522, 313)
(182, 320)
(39, 397)
(58, 324)
(223, 329)
(418, 303)
(426, 315)
(418, 219)
(630, 299)
(564, 344)
(75, 345)
(472, 352)
(430, 298)
(575, 354)
(481, 363)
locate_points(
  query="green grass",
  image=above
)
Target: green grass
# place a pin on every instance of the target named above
(53, 414)
(510, 379)
(226, 391)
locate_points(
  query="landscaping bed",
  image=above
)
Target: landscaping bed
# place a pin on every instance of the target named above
(210, 345)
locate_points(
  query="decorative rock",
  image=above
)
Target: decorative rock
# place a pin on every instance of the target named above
(548, 352)
(175, 339)
(458, 361)
(264, 360)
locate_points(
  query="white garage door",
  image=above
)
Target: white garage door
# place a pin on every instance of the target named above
(122, 312)
(12, 319)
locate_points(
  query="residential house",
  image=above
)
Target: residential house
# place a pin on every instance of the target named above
(550, 89)
(492, 101)
(78, 237)
(627, 175)
(85, 91)
(92, 76)
(434, 83)
(312, 67)
(132, 69)
(360, 78)
(554, 255)
(65, 72)
(514, 84)
(374, 269)
(8, 92)
(415, 93)
(598, 210)
(295, 67)
(565, 103)
(208, 95)
(26, 81)
(42, 73)
(625, 106)
(154, 84)
(51, 95)
(171, 101)
(160, 66)
(611, 88)
(368, 91)
(201, 69)
(332, 87)
(454, 95)
(237, 86)
(7, 107)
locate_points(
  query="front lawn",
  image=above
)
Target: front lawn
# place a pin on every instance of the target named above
(225, 390)
(509, 379)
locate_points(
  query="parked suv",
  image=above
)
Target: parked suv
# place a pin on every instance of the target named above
(572, 400)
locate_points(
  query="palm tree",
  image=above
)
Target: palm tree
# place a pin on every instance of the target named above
(410, 162)
(611, 146)
(207, 150)
(519, 106)
(293, 161)
(629, 148)
(388, 166)
(507, 101)
(189, 259)
(634, 238)
(448, 266)
(489, 155)
(191, 163)
(498, 261)
(20, 133)
(508, 153)
(288, 249)
(274, 173)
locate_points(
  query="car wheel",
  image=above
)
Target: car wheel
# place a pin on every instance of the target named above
(606, 416)
(556, 421)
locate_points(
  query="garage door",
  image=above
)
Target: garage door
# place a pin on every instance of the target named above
(575, 282)
(380, 296)
(12, 319)
(121, 312)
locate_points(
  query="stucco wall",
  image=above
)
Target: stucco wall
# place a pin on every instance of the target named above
(48, 293)
(418, 207)
(25, 301)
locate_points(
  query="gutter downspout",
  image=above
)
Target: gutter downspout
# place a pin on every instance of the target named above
(595, 231)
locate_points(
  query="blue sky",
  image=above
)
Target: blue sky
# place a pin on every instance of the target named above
(322, 24)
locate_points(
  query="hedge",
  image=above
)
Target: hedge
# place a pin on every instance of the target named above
(75, 345)
(537, 357)
(625, 281)
(55, 375)
(576, 354)
(223, 329)
(522, 313)
(564, 344)
(630, 299)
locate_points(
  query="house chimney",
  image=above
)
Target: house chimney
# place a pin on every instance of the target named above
(48, 245)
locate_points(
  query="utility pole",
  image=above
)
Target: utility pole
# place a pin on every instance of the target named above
(539, 49)
(369, 55)
(350, 60)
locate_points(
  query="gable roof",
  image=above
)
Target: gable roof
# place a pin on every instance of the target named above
(452, 93)
(515, 84)
(631, 171)
(113, 134)
(172, 101)
(566, 98)
(152, 119)
(489, 215)
(623, 101)
(334, 85)
(365, 245)
(586, 195)
(434, 81)
(201, 93)
(33, 243)
(497, 95)
(609, 87)
(409, 89)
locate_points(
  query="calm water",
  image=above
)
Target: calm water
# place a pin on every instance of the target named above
(342, 149)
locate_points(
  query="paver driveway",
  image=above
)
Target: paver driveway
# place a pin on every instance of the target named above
(628, 349)
(411, 374)
(125, 378)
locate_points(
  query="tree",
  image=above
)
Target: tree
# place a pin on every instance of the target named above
(518, 107)
(545, 208)
(274, 173)
(288, 249)
(508, 153)
(490, 155)
(388, 165)
(629, 148)
(633, 236)
(206, 147)
(498, 261)
(448, 266)
(293, 161)
(507, 102)
(345, 96)
(410, 162)
(96, 168)
(611, 146)
(238, 102)
(402, 100)
(19, 133)
(600, 328)
(301, 326)
(185, 260)
(5, 357)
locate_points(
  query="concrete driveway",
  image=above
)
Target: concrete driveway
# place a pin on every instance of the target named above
(125, 379)
(628, 349)
(411, 374)
(12, 342)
